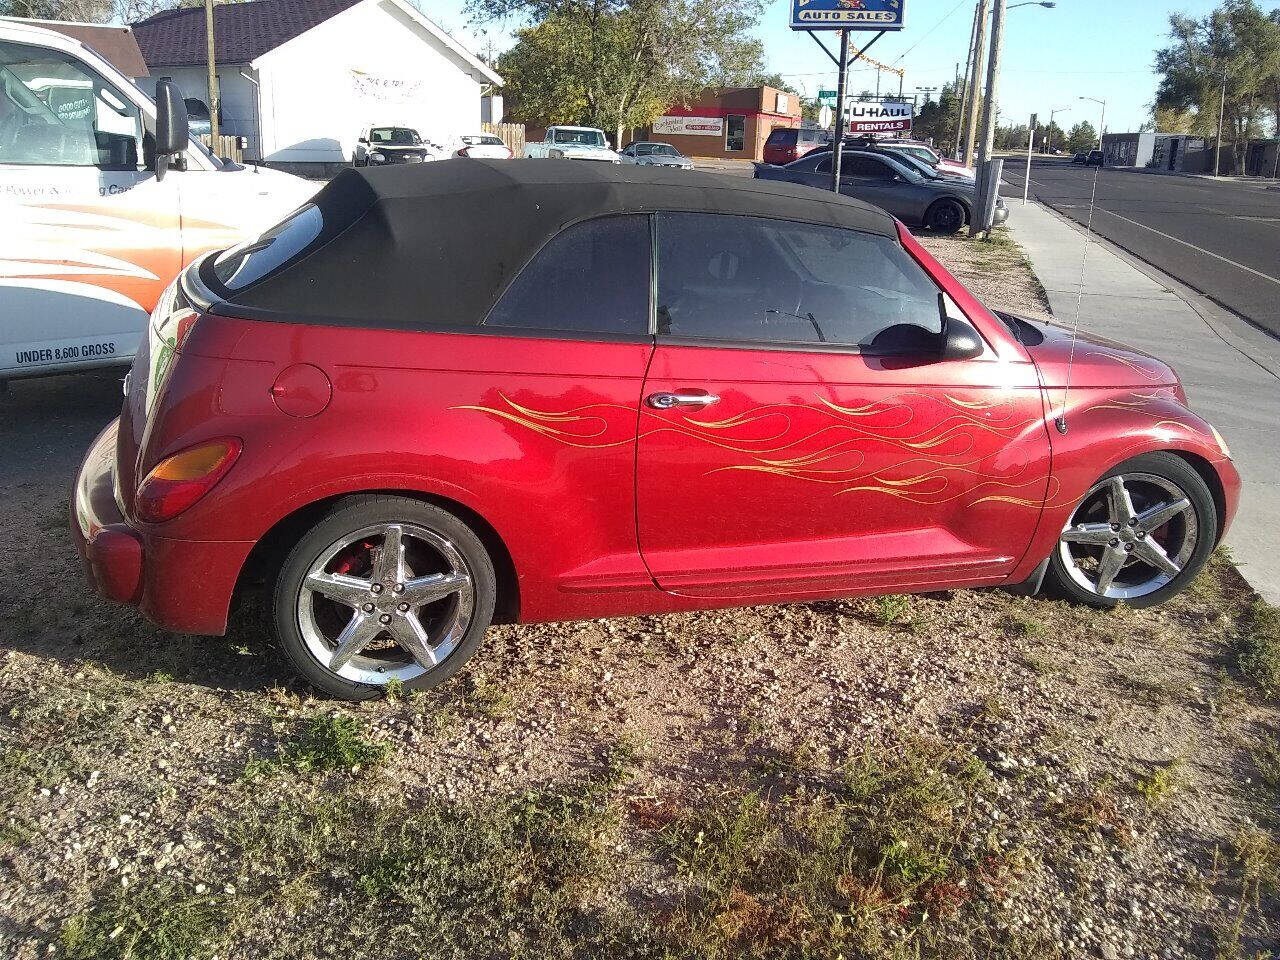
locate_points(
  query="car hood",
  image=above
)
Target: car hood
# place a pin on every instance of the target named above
(1097, 361)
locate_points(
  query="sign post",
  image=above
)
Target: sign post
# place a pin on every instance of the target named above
(845, 16)
(1026, 178)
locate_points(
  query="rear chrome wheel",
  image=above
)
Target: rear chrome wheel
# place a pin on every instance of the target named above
(383, 589)
(1139, 535)
(387, 601)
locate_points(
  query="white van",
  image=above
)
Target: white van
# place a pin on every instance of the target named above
(104, 198)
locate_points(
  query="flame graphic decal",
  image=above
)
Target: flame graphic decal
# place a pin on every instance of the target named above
(912, 446)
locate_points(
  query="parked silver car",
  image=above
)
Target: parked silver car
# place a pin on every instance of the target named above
(647, 153)
(942, 205)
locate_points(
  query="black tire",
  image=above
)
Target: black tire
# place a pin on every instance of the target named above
(354, 514)
(945, 216)
(1059, 581)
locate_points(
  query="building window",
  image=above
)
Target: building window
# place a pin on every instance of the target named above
(735, 133)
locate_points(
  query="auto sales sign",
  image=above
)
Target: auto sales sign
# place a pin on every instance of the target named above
(847, 14)
(878, 116)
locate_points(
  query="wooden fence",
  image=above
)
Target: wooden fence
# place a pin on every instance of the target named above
(512, 135)
(227, 147)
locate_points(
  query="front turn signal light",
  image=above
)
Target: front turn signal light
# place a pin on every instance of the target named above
(177, 482)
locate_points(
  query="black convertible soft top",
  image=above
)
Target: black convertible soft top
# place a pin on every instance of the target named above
(434, 245)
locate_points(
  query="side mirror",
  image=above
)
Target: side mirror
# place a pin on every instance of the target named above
(364, 140)
(173, 131)
(959, 340)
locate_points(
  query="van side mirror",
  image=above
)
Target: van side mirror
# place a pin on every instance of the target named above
(173, 131)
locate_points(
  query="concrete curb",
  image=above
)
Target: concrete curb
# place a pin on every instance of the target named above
(1231, 370)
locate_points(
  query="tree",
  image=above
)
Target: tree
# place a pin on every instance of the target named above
(88, 11)
(1082, 137)
(1226, 63)
(936, 119)
(616, 64)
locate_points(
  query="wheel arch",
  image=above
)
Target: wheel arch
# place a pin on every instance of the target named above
(270, 550)
(1211, 480)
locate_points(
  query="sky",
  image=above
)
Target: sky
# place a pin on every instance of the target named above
(1093, 48)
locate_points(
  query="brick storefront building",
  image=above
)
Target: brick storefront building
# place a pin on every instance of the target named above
(730, 123)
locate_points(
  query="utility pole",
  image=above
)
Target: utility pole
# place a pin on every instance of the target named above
(1222, 109)
(962, 90)
(987, 142)
(971, 100)
(214, 99)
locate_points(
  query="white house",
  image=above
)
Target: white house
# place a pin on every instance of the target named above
(300, 78)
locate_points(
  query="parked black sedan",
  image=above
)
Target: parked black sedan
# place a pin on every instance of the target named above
(940, 204)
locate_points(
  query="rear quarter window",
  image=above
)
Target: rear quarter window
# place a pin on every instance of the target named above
(255, 259)
(592, 278)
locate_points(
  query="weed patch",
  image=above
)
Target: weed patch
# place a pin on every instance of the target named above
(154, 922)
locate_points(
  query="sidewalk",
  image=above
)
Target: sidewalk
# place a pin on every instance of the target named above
(1231, 370)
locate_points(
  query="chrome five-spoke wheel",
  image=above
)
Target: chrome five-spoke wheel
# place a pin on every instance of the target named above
(386, 601)
(384, 589)
(1136, 533)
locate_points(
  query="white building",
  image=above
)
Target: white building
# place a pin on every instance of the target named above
(300, 78)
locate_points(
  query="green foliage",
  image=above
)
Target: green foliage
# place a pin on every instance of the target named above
(1259, 646)
(1082, 137)
(157, 921)
(1159, 785)
(615, 64)
(333, 741)
(1233, 51)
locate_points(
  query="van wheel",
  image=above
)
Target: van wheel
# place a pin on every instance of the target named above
(944, 216)
(1140, 535)
(383, 589)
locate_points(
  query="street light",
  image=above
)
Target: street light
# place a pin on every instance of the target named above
(1047, 4)
(1102, 121)
(1049, 136)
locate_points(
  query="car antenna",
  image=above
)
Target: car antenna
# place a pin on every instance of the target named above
(1061, 420)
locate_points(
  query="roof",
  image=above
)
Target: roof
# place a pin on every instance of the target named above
(117, 45)
(452, 234)
(243, 32)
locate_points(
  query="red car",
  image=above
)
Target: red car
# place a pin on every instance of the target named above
(785, 144)
(438, 397)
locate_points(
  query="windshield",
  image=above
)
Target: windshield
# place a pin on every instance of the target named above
(587, 138)
(396, 136)
(921, 153)
(915, 163)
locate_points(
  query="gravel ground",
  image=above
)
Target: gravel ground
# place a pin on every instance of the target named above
(948, 775)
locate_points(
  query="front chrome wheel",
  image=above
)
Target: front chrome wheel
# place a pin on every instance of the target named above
(1132, 535)
(386, 601)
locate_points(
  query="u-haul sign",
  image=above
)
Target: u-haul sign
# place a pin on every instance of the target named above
(879, 116)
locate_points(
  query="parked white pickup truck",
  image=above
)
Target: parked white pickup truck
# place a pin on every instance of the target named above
(573, 143)
(104, 197)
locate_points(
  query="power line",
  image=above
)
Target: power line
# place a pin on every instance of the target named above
(933, 28)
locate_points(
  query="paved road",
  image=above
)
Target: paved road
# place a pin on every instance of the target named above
(1219, 237)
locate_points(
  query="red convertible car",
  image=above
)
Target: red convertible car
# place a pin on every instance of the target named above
(442, 396)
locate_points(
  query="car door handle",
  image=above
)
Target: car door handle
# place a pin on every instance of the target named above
(667, 401)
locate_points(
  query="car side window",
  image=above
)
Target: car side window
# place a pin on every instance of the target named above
(591, 278)
(54, 111)
(754, 280)
(869, 168)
